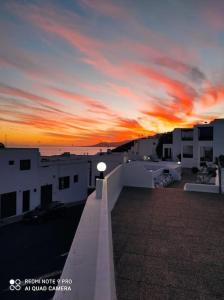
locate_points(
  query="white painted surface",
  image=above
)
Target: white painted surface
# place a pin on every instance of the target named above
(114, 185)
(145, 146)
(222, 180)
(196, 187)
(99, 188)
(105, 280)
(90, 260)
(81, 262)
(135, 174)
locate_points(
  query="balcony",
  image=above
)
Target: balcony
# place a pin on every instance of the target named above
(151, 237)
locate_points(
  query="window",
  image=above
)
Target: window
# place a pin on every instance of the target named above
(206, 153)
(7, 205)
(187, 151)
(64, 182)
(25, 164)
(76, 178)
(11, 162)
(26, 201)
(187, 134)
(205, 133)
(168, 138)
(167, 153)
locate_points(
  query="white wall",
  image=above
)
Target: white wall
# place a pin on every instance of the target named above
(176, 143)
(206, 188)
(147, 146)
(134, 174)
(218, 138)
(222, 180)
(90, 260)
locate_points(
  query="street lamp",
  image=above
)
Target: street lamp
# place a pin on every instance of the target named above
(101, 167)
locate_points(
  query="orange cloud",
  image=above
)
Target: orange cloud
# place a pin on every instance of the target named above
(182, 94)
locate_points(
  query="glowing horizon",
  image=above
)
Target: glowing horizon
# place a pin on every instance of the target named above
(89, 71)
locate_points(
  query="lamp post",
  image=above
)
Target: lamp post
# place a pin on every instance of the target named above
(101, 167)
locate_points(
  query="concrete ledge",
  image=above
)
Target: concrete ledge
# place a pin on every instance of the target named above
(81, 262)
(196, 187)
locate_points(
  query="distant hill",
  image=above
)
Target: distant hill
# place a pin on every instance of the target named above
(124, 147)
(108, 145)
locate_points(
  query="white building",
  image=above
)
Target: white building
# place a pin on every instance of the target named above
(202, 143)
(144, 147)
(28, 181)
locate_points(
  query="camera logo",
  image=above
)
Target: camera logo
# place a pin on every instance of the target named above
(15, 284)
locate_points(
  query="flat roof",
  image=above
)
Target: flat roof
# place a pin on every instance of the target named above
(168, 244)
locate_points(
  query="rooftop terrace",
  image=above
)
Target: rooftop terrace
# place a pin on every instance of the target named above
(135, 241)
(168, 244)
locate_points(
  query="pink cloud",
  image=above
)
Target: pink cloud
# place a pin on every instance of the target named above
(16, 92)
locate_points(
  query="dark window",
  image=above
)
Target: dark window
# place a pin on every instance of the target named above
(64, 182)
(25, 164)
(187, 134)
(168, 138)
(26, 201)
(167, 153)
(11, 162)
(76, 178)
(187, 151)
(205, 133)
(8, 205)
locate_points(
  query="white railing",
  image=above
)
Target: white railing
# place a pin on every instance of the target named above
(105, 281)
(90, 261)
(222, 180)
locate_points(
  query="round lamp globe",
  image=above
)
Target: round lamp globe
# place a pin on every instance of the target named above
(101, 166)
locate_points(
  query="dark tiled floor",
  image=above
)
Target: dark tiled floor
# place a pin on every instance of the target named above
(168, 244)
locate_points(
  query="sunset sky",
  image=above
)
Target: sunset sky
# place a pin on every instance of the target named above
(85, 71)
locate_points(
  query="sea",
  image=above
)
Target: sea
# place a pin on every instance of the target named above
(52, 150)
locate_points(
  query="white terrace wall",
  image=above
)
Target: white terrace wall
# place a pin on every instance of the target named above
(197, 187)
(81, 262)
(105, 281)
(90, 260)
(207, 188)
(134, 174)
(222, 180)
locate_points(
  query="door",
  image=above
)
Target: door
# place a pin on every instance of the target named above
(7, 205)
(167, 153)
(46, 195)
(26, 200)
